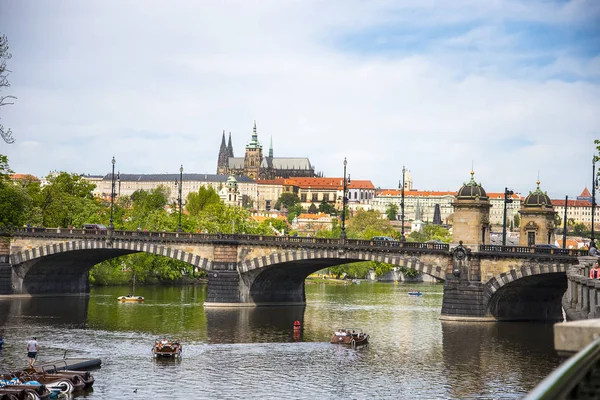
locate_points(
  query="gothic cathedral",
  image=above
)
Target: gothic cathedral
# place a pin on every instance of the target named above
(255, 166)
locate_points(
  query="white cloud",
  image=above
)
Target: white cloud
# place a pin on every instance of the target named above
(156, 84)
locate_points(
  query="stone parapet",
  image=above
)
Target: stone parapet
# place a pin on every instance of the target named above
(571, 337)
(582, 298)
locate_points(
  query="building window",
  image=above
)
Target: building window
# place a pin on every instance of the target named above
(315, 197)
(530, 238)
(303, 197)
(325, 196)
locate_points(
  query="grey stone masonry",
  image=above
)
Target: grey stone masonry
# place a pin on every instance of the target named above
(582, 298)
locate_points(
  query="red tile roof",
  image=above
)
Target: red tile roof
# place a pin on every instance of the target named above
(328, 183)
(23, 177)
(585, 193)
(276, 181)
(572, 203)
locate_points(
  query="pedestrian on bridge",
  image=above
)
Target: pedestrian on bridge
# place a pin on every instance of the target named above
(595, 272)
(593, 250)
(32, 351)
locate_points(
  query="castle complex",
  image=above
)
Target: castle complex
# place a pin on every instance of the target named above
(256, 166)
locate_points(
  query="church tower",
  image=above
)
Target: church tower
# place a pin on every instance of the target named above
(254, 156)
(223, 160)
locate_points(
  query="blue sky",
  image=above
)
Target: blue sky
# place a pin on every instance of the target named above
(511, 87)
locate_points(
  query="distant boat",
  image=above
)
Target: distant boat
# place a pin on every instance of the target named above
(415, 293)
(352, 337)
(131, 298)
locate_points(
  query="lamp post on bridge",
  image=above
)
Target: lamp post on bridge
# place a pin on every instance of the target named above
(402, 238)
(112, 194)
(179, 199)
(507, 199)
(344, 201)
(594, 184)
(565, 223)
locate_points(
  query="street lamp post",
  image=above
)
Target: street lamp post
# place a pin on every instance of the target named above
(344, 201)
(179, 200)
(565, 223)
(507, 199)
(112, 194)
(402, 238)
(593, 194)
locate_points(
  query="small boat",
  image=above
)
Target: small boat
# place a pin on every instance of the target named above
(352, 337)
(164, 348)
(130, 298)
(415, 293)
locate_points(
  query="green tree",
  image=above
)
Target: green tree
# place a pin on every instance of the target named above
(431, 232)
(391, 211)
(198, 201)
(14, 203)
(64, 198)
(327, 208)
(312, 209)
(580, 229)
(517, 220)
(366, 224)
(5, 170)
(287, 200)
(293, 212)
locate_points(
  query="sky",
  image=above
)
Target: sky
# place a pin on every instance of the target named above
(508, 88)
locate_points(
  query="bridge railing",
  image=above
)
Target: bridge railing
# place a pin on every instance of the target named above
(222, 237)
(489, 248)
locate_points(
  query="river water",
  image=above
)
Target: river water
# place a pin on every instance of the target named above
(250, 353)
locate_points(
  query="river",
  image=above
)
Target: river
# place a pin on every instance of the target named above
(251, 353)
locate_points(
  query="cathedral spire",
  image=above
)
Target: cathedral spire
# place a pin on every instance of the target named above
(223, 141)
(271, 148)
(230, 147)
(254, 143)
(223, 160)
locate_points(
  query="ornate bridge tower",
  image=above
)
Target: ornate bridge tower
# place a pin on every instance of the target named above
(464, 293)
(471, 215)
(537, 219)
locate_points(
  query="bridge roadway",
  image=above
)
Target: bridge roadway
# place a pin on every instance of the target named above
(492, 283)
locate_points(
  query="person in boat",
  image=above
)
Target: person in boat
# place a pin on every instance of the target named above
(164, 340)
(32, 351)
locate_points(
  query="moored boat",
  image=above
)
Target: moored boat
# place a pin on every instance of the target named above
(415, 293)
(164, 348)
(352, 337)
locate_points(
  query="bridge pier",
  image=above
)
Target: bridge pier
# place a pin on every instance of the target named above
(465, 297)
(5, 267)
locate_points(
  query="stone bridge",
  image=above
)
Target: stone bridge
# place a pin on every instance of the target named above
(492, 283)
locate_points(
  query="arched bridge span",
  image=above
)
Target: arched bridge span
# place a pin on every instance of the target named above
(493, 282)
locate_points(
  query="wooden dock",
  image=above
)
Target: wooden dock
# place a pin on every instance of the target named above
(73, 364)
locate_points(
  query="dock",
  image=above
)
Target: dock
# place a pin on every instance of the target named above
(73, 364)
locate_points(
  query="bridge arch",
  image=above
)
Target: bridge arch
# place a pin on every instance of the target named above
(63, 267)
(279, 277)
(530, 292)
